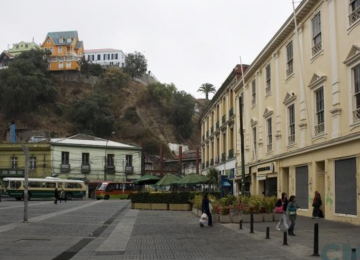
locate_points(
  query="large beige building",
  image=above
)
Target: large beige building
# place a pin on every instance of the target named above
(302, 110)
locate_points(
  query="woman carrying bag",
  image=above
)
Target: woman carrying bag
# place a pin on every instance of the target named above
(281, 206)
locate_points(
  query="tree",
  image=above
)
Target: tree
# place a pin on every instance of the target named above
(25, 84)
(93, 115)
(115, 77)
(213, 176)
(207, 88)
(135, 64)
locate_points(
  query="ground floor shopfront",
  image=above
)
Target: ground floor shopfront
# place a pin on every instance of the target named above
(331, 170)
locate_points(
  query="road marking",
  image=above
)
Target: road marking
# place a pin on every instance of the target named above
(119, 237)
(13, 207)
(47, 216)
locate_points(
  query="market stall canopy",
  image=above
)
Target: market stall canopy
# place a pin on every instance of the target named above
(147, 179)
(193, 179)
(168, 180)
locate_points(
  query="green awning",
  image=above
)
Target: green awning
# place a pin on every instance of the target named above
(168, 180)
(147, 179)
(193, 179)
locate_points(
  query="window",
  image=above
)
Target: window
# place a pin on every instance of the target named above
(51, 50)
(61, 65)
(85, 159)
(64, 157)
(289, 63)
(33, 163)
(60, 49)
(50, 185)
(291, 134)
(354, 11)
(268, 79)
(99, 57)
(316, 25)
(269, 134)
(254, 140)
(319, 104)
(356, 111)
(17, 46)
(104, 56)
(116, 56)
(61, 40)
(68, 39)
(13, 162)
(68, 64)
(128, 160)
(112, 56)
(26, 46)
(110, 160)
(108, 56)
(253, 87)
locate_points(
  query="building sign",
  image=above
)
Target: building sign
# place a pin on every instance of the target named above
(266, 168)
(260, 176)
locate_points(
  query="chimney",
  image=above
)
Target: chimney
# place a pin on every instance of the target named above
(12, 133)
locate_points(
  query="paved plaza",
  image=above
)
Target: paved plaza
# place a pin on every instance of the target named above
(90, 229)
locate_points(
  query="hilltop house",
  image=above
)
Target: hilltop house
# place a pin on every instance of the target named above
(7, 56)
(66, 50)
(106, 57)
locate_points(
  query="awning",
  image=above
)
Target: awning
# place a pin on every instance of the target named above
(225, 183)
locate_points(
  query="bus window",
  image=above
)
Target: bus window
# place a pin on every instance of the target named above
(70, 185)
(110, 187)
(50, 185)
(15, 184)
(34, 184)
(129, 186)
(60, 185)
(101, 186)
(118, 186)
(6, 184)
(78, 186)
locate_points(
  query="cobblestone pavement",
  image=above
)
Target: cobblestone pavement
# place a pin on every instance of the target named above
(97, 230)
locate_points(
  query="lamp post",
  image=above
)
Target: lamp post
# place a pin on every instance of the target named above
(105, 162)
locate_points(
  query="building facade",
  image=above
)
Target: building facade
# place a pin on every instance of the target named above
(106, 57)
(66, 50)
(302, 111)
(94, 159)
(218, 128)
(22, 46)
(12, 160)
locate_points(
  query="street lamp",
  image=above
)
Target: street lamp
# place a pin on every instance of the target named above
(105, 162)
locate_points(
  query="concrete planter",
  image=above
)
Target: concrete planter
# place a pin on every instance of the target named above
(143, 206)
(194, 210)
(216, 218)
(199, 212)
(132, 205)
(245, 218)
(225, 218)
(268, 217)
(235, 217)
(276, 217)
(159, 206)
(180, 207)
(258, 218)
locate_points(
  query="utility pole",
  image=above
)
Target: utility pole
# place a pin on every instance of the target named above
(242, 145)
(180, 159)
(26, 187)
(197, 160)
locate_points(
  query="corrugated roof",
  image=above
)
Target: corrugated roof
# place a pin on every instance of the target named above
(101, 50)
(55, 36)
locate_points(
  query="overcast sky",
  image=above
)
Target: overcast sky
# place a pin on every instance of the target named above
(186, 42)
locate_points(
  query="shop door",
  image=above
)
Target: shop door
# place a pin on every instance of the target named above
(302, 187)
(271, 187)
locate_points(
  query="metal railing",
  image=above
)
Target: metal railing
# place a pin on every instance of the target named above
(231, 112)
(223, 157)
(207, 134)
(129, 169)
(85, 168)
(354, 16)
(223, 119)
(290, 70)
(291, 139)
(356, 115)
(231, 153)
(212, 130)
(217, 125)
(319, 129)
(203, 166)
(211, 162)
(110, 169)
(316, 48)
(64, 168)
(216, 159)
(207, 164)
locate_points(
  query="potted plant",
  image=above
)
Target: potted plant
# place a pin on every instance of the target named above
(215, 211)
(225, 214)
(268, 205)
(255, 203)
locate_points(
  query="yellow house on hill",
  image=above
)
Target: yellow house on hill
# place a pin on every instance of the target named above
(66, 50)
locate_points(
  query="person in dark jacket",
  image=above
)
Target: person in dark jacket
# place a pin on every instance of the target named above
(291, 210)
(316, 205)
(283, 218)
(205, 208)
(56, 195)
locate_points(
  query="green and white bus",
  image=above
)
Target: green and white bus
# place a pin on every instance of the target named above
(43, 188)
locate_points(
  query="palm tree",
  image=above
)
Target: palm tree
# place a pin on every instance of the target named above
(207, 88)
(213, 176)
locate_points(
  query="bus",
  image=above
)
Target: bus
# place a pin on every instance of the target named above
(114, 190)
(43, 188)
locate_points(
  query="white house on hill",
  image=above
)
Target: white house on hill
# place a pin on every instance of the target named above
(106, 57)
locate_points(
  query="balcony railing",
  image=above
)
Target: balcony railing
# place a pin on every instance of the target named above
(231, 112)
(207, 134)
(223, 157)
(319, 129)
(110, 169)
(291, 139)
(316, 49)
(231, 153)
(212, 130)
(203, 137)
(354, 16)
(65, 168)
(217, 125)
(269, 147)
(290, 70)
(211, 162)
(129, 169)
(203, 166)
(216, 159)
(85, 168)
(268, 87)
(207, 164)
(356, 115)
(11, 172)
(223, 119)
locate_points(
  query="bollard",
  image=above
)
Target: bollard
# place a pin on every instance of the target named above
(316, 240)
(251, 223)
(267, 233)
(240, 224)
(353, 254)
(285, 239)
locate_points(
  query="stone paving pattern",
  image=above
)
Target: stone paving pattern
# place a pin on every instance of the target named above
(155, 234)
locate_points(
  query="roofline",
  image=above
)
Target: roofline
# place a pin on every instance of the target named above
(137, 148)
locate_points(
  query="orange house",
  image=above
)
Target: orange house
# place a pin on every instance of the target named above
(66, 50)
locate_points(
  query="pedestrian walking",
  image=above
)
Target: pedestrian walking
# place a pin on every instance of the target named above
(316, 205)
(62, 196)
(281, 207)
(205, 208)
(291, 209)
(56, 195)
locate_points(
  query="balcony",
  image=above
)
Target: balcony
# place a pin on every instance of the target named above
(223, 157)
(231, 112)
(207, 134)
(85, 168)
(290, 70)
(216, 159)
(356, 115)
(212, 130)
(129, 169)
(65, 168)
(211, 162)
(110, 169)
(291, 139)
(223, 119)
(12, 173)
(319, 129)
(217, 125)
(316, 49)
(203, 166)
(231, 153)
(354, 16)
(207, 164)
(203, 137)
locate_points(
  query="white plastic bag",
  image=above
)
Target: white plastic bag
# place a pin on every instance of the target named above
(203, 219)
